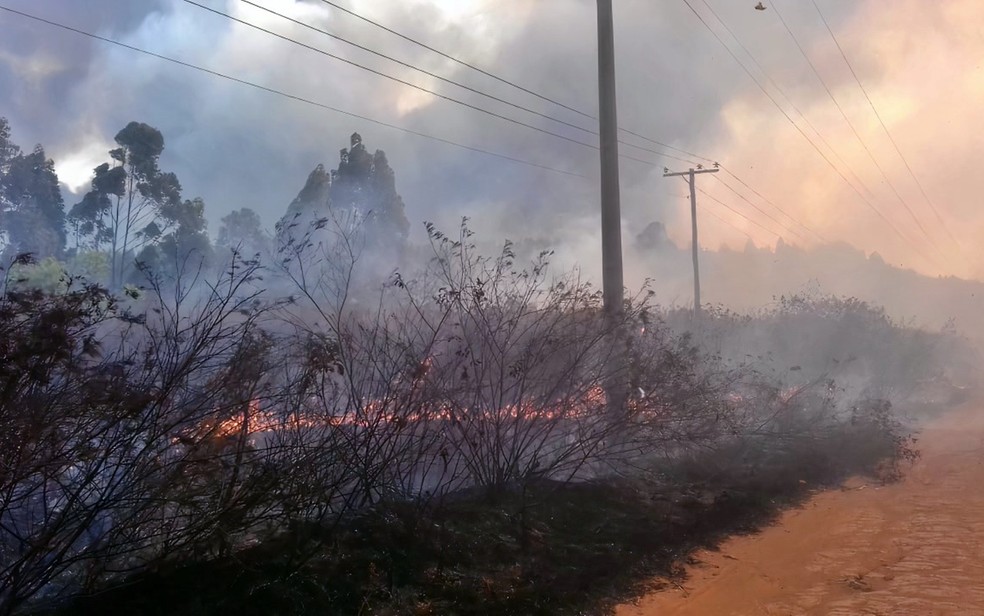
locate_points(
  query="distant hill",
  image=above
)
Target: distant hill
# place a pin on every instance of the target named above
(753, 277)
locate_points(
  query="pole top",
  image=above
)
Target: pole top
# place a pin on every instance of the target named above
(699, 169)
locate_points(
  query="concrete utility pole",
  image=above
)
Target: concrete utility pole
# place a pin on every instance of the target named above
(611, 218)
(689, 178)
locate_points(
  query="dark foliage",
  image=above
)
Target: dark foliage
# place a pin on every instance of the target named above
(448, 447)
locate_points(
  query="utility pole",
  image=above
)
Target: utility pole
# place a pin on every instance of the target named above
(689, 177)
(611, 218)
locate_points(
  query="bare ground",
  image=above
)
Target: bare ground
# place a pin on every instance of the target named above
(913, 547)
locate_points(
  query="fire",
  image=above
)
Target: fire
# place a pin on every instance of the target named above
(255, 420)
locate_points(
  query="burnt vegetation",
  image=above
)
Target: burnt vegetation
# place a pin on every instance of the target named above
(294, 428)
(440, 442)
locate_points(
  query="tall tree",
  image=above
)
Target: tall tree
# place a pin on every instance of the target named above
(32, 213)
(242, 230)
(132, 202)
(89, 218)
(186, 248)
(7, 149)
(361, 191)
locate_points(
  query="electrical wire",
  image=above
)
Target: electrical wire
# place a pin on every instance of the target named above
(854, 130)
(760, 210)
(721, 219)
(812, 143)
(734, 211)
(392, 77)
(885, 127)
(730, 224)
(731, 209)
(540, 96)
(511, 83)
(766, 199)
(294, 97)
(432, 75)
(414, 67)
(448, 56)
(362, 117)
(787, 98)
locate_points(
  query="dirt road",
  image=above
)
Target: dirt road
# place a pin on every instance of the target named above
(915, 547)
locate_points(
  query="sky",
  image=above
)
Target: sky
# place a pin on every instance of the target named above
(821, 170)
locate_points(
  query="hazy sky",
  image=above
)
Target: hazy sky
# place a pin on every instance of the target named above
(919, 60)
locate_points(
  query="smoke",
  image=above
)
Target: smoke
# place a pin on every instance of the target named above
(238, 147)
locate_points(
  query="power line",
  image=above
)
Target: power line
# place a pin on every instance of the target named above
(294, 97)
(736, 212)
(812, 143)
(885, 127)
(720, 219)
(796, 109)
(297, 98)
(743, 198)
(786, 97)
(671, 147)
(391, 77)
(760, 210)
(448, 56)
(519, 87)
(730, 224)
(854, 130)
(435, 76)
(408, 65)
(456, 60)
(427, 90)
(764, 198)
(315, 103)
(547, 99)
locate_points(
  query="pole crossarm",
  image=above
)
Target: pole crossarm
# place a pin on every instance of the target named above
(668, 174)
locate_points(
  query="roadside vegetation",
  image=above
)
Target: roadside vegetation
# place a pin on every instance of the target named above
(298, 439)
(283, 424)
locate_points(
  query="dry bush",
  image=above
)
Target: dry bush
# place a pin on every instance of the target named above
(112, 422)
(520, 366)
(475, 372)
(204, 422)
(807, 338)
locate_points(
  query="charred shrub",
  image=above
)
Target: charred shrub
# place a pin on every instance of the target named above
(875, 433)
(473, 438)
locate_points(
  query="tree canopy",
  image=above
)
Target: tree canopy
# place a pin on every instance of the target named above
(32, 213)
(132, 203)
(242, 231)
(134, 220)
(361, 191)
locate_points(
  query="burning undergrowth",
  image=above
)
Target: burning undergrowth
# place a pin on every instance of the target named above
(475, 438)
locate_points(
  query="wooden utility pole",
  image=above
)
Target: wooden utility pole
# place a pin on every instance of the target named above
(689, 178)
(611, 218)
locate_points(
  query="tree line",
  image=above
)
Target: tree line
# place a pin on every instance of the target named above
(135, 220)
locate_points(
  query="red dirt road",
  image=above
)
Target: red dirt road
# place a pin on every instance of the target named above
(915, 547)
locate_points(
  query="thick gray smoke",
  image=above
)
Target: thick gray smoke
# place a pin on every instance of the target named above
(237, 147)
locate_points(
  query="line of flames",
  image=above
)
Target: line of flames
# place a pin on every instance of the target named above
(255, 420)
